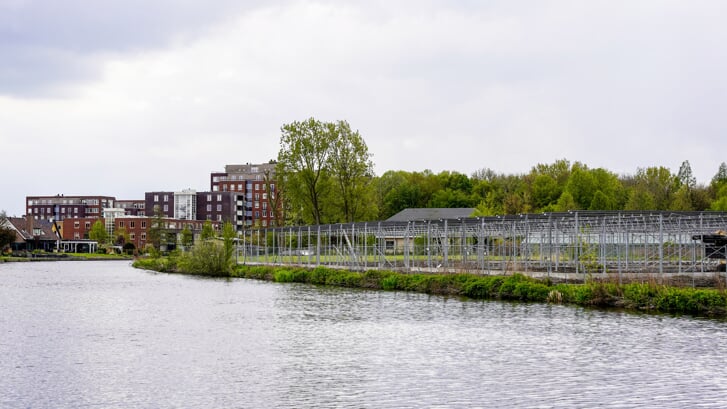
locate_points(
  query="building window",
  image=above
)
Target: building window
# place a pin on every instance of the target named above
(239, 186)
(75, 210)
(87, 225)
(265, 196)
(265, 205)
(132, 236)
(166, 208)
(76, 225)
(257, 205)
(131, 225)
(143, 236)
(219, 217)
(209, 207)
(156, 198)
(166, 198)
(63, 210)
(257, 196)
(143, 224)
(257, 215)
(121, 224)
(219, 198)
(76, 236)
(265, 223)
(209, 198)
(219, 207)
(215, 188)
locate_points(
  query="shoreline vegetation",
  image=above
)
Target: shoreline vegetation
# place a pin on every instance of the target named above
(636, 296)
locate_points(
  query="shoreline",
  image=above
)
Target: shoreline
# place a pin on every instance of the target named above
(648, 296)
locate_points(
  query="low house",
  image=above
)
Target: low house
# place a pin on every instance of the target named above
(31, 234)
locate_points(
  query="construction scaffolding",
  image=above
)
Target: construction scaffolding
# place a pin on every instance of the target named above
(565, 245)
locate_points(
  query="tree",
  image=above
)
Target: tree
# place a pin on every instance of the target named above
(7, 234)
(187, 237)
(682, 200)
(721, 203)
(326, 171)
(302, 168)
(686, 177)
(121, 237)
(544, 191)
(157, 234)
(98, 232)
(208, 232)
(720, 178)
(228, 244)
(658, 183)
(352, 169)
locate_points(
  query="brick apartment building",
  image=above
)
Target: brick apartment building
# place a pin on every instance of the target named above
(60, 207)
(192, 205)
(242, 195)
(135, 207)
(137, 227)
(252, 181)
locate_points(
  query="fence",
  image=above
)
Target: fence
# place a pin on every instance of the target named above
(573, 244)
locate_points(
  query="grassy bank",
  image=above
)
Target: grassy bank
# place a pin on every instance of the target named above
(633, 296)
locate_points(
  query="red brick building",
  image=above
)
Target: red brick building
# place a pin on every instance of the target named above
(256, 182)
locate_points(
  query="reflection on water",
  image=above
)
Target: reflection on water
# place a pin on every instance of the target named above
(102, 334)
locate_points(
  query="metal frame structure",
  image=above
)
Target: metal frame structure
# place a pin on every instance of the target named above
(567, 245)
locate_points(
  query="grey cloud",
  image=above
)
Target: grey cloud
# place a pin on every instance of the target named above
(45, 44)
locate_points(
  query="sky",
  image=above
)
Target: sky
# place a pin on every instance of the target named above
(122, 97)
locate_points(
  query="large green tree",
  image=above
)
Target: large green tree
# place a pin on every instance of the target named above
(352, 171)
(326, 171)
(303, 167)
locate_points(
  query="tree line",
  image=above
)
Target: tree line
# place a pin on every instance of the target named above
(325, 174)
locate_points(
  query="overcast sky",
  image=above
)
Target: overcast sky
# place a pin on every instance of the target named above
(123, 97)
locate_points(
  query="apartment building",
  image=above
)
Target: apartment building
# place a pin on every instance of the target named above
(191, 205)
(256, 182)
(60, 207)
(135, 207)
(137, 228)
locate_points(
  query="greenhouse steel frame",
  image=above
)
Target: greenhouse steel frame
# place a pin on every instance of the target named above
(572, 244)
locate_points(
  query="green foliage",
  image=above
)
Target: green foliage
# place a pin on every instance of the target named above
(208, 232)
(206, 258)
(157, 232)
(98, 232)
(326, 172)
(7, 234)
(187, 237)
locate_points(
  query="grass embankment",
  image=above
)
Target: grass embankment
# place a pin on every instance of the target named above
(633, 296)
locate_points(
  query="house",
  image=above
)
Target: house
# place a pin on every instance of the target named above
(31, 234)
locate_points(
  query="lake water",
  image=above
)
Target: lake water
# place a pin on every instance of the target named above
(105, 335)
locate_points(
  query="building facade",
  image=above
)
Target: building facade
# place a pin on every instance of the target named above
(134, 207)
(256, 182)
(60, 207)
